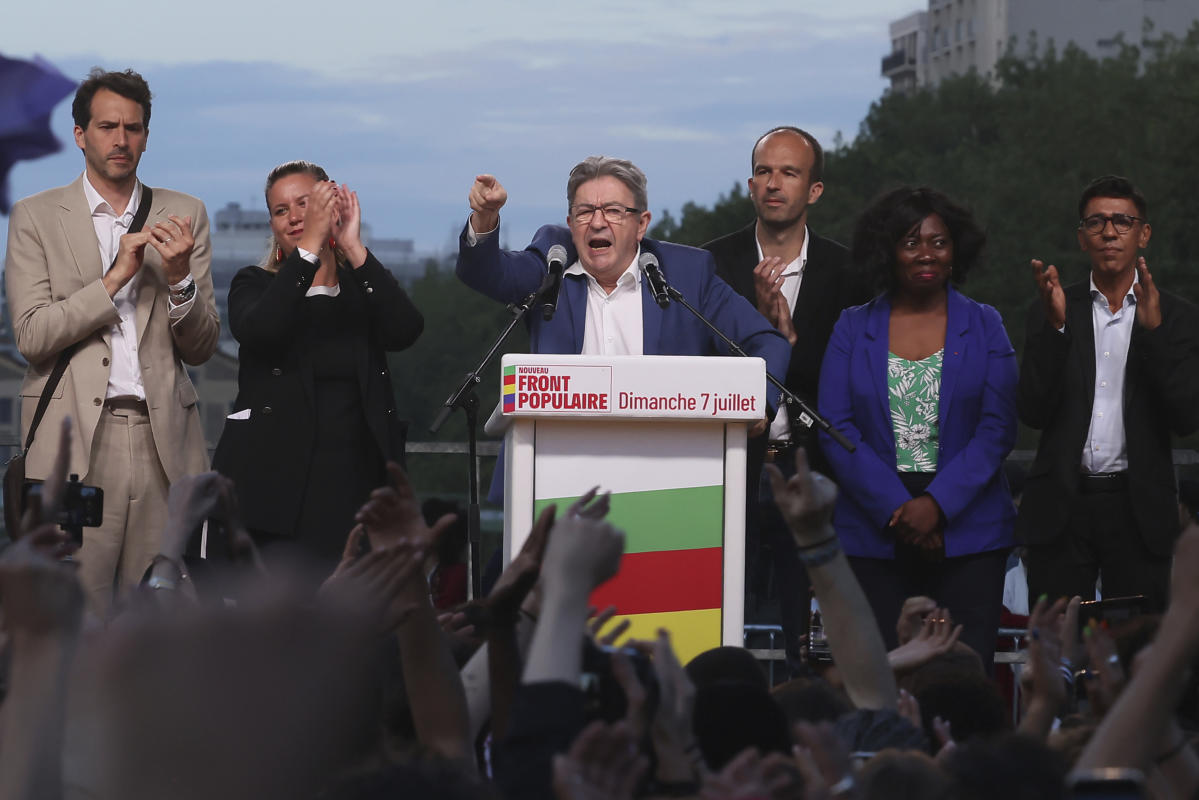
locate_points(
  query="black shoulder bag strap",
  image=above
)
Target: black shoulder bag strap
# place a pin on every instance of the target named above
(60, 366)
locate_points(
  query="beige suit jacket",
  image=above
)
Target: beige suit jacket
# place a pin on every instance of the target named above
(53, 276)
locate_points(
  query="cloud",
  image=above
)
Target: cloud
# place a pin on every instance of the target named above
(683, 98)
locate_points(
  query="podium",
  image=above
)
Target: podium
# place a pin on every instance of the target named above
(666, 435)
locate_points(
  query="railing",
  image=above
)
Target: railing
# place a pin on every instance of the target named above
(897, 60)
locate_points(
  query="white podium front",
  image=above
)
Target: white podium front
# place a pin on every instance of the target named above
(666, 436)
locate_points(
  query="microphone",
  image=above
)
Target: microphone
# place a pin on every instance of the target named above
(657, 283)
(551, 284)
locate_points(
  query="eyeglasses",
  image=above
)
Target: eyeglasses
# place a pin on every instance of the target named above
(614, 213)
(1096, 223)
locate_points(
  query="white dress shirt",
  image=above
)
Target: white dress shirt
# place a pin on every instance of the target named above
(1106, 448)
(125, 373)
(613, 326)
(780, 426)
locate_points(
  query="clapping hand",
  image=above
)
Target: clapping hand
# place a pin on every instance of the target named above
(1053, 297)
(349, 229)
(1149, 299)
(174, 243)
(319, 217)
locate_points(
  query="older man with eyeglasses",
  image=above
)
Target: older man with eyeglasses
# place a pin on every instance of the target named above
(1110, 370)
(606, 306)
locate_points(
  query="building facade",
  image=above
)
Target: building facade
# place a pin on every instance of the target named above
(953, 37)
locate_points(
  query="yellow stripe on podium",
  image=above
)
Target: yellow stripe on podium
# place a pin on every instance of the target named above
(691, 632)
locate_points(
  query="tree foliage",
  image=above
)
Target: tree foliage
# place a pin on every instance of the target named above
(1018, 152)
(460, 324)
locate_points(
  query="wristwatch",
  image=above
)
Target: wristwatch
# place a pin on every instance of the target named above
(180, 296)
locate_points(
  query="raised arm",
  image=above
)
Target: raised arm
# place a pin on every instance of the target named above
(503, 275)
(1046, 344)
(806, 503)
(43, 607)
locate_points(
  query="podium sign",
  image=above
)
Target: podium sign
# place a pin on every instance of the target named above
(666, 436)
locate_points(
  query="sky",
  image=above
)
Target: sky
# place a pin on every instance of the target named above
(407, 102)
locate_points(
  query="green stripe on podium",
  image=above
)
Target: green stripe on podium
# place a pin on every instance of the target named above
(662, 519)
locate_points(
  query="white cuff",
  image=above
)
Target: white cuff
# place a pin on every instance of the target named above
(473, 237)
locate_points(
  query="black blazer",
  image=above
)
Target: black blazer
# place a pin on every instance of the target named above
(268, 455)
(1057, 390)
(828, 287)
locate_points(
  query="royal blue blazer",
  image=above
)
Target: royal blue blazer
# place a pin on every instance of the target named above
(977, 421)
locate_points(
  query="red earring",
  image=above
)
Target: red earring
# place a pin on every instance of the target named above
(278, 255)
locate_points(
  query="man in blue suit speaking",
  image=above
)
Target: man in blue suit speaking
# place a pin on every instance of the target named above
(606, 306)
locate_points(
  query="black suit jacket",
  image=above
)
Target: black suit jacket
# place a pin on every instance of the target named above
(828, 287)
(268, 455)
(1057, 390)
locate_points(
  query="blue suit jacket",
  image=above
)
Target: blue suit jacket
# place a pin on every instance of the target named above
(511, 275)
(977, 421)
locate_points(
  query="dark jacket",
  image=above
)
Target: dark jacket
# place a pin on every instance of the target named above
(1057, 391)
(268, 455)
(828, 286)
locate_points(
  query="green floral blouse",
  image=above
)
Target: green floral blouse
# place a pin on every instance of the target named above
(914, 388)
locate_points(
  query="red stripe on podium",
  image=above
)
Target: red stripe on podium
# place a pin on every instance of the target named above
(672, 580)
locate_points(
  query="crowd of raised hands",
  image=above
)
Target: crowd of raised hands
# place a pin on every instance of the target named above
(248, 682)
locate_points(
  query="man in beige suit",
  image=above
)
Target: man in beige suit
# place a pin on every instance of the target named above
(138, 306)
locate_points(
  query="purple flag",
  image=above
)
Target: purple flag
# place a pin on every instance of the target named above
(29, 91)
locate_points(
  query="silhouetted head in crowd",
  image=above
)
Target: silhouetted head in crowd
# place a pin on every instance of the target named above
(811, 700)
(733, 715)
(726, 664)
(903, 775)
(958, 661)
(970, 703)
(414, 780)
(1007, 767)
(871, 730)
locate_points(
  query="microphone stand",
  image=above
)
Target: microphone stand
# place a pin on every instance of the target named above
(807, 414)
(464, 397)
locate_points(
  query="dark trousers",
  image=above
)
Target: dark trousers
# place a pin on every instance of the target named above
(1101, 538)
(971, 587)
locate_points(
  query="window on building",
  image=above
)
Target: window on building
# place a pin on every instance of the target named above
(5, 410)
